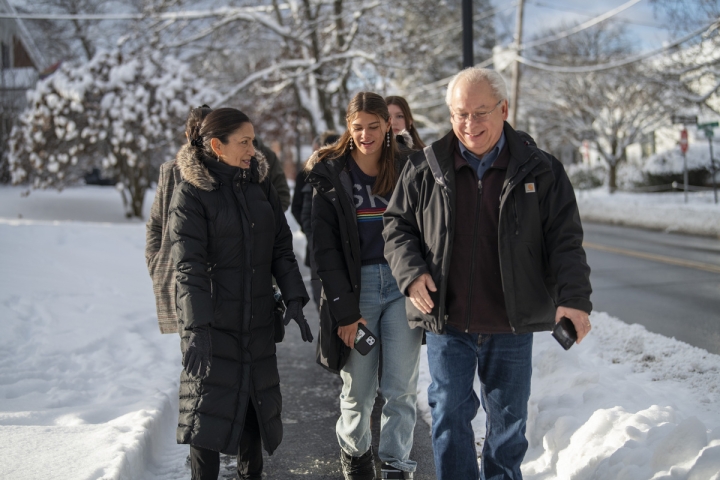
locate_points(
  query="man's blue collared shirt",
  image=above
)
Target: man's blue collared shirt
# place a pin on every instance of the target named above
(482, 164)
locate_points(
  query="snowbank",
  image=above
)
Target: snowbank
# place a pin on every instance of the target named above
(85, 376)
(656, 211)
(625, 404)
(671, 161)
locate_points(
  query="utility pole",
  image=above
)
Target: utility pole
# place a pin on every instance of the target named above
(467, 23)
(516, 65)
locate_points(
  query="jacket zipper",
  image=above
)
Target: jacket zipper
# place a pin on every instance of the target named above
(478, 202)
(507, 191)
(213, 292)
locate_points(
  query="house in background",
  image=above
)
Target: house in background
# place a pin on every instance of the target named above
(20, 65)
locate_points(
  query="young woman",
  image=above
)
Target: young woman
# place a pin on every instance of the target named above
(354, 179)
(229, 238)
(401, 119)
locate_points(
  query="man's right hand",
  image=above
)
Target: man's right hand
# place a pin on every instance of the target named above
(419, 294)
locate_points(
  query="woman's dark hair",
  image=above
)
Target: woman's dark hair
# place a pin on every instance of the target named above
(328, 138)
(373, 104)
(194, 120)
(220, 124)
(409, 122)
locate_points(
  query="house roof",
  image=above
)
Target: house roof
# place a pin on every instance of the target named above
(24, 36)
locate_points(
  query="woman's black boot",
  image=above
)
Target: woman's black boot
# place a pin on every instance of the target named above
(358, 468)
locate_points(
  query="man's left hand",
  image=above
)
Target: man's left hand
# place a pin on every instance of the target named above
(579, 318)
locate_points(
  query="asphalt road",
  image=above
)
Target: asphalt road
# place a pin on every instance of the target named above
(669, 283)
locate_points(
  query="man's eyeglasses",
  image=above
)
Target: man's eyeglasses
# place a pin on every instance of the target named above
(476, 116)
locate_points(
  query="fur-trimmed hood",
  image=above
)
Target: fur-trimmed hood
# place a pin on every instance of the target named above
(406, 138)
(314, 158)
(193, 170)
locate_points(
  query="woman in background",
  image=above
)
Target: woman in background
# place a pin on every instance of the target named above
(157, 244)
(402, 119)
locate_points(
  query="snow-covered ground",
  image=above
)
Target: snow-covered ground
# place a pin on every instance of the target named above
(88, 384)
(656, 211)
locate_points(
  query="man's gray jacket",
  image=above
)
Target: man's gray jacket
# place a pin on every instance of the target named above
(542, 261)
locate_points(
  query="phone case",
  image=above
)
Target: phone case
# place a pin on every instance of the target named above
(565, 333)
(364, 340)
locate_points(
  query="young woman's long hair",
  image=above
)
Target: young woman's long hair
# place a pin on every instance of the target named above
(373, 104)
(409, 122)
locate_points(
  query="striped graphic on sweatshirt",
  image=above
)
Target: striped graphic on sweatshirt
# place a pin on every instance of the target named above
(370, 214)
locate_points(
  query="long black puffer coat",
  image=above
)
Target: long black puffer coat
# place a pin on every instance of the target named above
(229, 237)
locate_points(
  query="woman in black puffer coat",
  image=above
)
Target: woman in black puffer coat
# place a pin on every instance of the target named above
(229, 238)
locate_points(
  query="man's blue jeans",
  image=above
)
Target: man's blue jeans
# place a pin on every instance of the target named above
(504, 365)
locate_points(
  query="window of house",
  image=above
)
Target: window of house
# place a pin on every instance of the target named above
(5, 54)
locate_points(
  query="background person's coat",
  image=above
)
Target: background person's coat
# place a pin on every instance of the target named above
(229, 238)
(157, 247)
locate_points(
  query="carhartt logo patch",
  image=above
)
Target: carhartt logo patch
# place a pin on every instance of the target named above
(529, 188)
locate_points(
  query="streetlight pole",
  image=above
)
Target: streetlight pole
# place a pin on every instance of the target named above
(516, 64)
(467, 23)
(683, 149)
(712, 163)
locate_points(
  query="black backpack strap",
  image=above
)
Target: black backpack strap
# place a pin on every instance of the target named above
(434, 165)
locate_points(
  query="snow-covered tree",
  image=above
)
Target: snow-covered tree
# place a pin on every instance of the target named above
(306, 49)
(610, 108)
(422, 48)
(693, 69)
(65, 38)
(121, 112)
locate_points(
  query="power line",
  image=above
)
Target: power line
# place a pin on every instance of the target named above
(184, 15)
(620, 63)
(583, 26)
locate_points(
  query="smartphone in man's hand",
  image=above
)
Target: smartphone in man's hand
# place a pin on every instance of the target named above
(565, 333)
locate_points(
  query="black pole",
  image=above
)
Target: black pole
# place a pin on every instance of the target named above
(712, 163)
(467, 23)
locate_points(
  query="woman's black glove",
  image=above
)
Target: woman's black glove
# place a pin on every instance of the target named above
(294, 312)
(198, 355)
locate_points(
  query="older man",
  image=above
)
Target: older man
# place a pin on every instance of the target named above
(483, 235)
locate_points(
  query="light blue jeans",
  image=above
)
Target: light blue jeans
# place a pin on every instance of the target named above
(383, 306)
